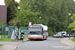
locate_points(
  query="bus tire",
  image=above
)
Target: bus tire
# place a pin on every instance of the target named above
(30, 39)
(42, 39)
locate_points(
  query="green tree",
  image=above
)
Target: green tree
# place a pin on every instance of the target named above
(11, 9)
(54, 13)
(26, 15)
(72, 25)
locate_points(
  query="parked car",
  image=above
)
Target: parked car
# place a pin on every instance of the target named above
(64, 34)
(58, 35)
(70, 35)
(67, 35)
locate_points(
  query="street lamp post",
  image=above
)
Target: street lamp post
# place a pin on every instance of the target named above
(18, 24)
(18, 12)
(40, 19)
(69, 23)
(74, 0)
(55, 26)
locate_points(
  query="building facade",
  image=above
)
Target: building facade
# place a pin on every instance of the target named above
(3, 13)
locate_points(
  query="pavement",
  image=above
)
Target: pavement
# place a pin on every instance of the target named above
(11, 47)
(8, 47)
(64, 41)
(68, 42)
(49, 44)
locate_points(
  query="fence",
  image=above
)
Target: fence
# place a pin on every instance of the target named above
(3, 32)
(6, 33)
(24, 29)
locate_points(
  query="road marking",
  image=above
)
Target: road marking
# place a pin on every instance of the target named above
(15, 47)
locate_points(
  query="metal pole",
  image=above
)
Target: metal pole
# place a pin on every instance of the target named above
(55, 26)
(18, 12)
(40, 21)
(69, 28)
(9, 29)
(18, 22)
(1, 30)
(18, 15)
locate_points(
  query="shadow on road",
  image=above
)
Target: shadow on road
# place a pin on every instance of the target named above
(36, 40)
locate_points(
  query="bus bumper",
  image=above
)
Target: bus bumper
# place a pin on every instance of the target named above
(35, 37)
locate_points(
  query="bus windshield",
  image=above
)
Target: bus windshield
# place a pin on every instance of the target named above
(35, 32)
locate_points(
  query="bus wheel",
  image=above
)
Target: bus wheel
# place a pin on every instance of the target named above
(42, 39)
(30, 39)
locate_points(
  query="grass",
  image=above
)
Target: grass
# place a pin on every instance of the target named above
(73, 39)
(1, 45)
(5, 38)
(26, 37)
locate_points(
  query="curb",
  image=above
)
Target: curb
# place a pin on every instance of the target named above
(15, 48)
(26, 40)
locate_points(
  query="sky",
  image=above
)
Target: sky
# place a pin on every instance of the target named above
(2, 2)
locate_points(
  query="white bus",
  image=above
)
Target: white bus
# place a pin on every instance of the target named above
(37, 31)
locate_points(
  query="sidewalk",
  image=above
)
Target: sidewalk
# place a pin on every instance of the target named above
(11, 47)
(68, 42)
(8, 47)
(25, 40)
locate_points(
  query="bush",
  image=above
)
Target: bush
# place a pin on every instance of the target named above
(0, 26)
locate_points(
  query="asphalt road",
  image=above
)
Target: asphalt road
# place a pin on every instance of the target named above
(49, 44)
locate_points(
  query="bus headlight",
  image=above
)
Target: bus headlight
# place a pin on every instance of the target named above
(40, 36)
(29, 36)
